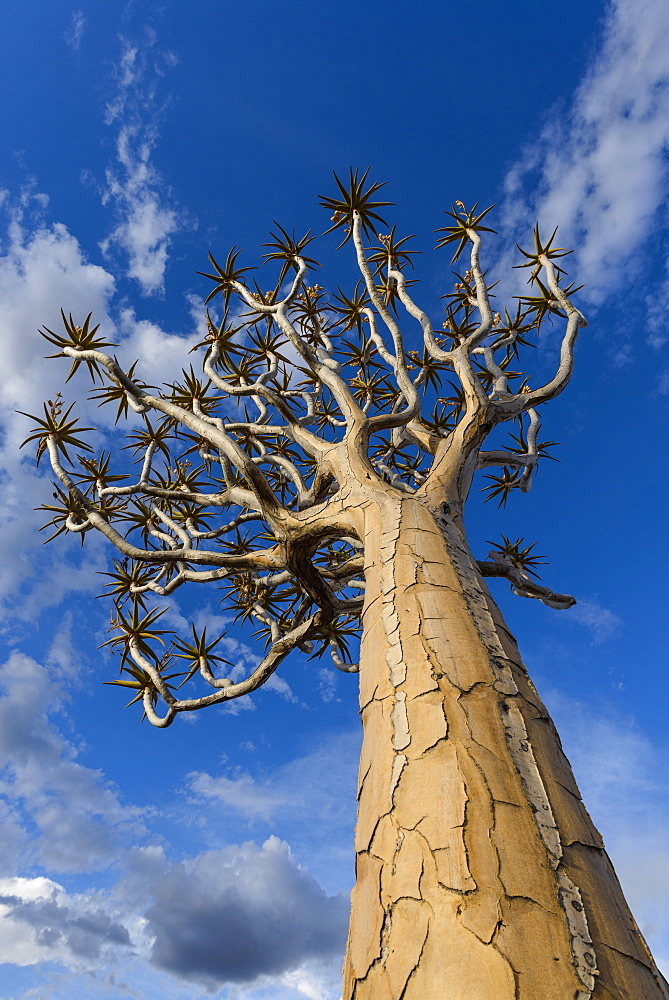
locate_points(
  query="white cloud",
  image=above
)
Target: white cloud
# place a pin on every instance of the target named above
(314, 979)
(147, 220)
(599, 169)
(146, 225)
(281, 687)
(663, 383)
(308, 983)
(327, 684)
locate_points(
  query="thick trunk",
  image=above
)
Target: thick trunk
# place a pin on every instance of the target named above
(480, 875)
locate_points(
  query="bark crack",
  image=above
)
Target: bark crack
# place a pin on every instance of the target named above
(520, 748)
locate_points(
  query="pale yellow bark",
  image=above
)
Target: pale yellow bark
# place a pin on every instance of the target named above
(479, 873)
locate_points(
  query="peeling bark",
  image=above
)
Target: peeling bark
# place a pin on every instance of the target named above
(480, 875)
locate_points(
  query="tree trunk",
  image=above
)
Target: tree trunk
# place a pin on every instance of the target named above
(480, 875)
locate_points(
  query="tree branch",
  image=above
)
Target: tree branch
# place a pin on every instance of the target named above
(521, 584)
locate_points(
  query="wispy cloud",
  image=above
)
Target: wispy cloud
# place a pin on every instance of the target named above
(602, 622)
(320, 783)
(663, 384)
(147, 215)
(75, 33)
(599, 168)
(617, 769)
(240, 792)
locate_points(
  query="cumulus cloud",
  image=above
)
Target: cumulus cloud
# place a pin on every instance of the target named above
(43, 268)
(38, 922)
(599, 168)
(238, 913)
(147, 219)
(161, 355)
(77, 820)
(243, 914)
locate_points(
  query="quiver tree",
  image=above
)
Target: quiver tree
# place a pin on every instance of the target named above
(317, 474)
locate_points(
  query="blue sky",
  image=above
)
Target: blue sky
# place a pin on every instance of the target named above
(136, 137)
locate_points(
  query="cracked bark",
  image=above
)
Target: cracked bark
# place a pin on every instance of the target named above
(479, 872)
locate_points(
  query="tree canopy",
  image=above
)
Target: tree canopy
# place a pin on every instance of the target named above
(233, 475)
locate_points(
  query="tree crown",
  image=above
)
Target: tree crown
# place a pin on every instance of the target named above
(240, 468)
